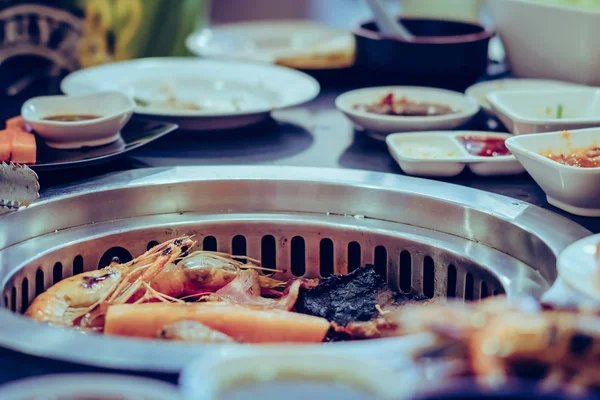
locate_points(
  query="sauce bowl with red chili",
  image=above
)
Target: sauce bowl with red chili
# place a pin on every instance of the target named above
(566, 165)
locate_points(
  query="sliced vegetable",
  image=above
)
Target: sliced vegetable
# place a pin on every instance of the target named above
(5, 145)
(559, 111)
(18, 123)
(243, 324)
(140, 102)
(24, 148)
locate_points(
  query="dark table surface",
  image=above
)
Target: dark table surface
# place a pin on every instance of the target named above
(315, 134)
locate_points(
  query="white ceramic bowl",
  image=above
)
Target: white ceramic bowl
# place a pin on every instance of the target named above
(298, 373)
(88, 386)
(578, 267)
(441, 154)
(479, 91)
(573, 189)
(114, 110)
(466, 107)
(549, 41)
(535, 111)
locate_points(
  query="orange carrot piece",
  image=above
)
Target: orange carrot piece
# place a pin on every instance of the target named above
(244, 324)
(24, 148)
(6, 139)
(18, 123)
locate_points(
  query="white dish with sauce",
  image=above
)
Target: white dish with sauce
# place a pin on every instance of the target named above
(547, 110)
(464, 108)
(198, 94)
(441, 154)
(71, 122)
(570, 188)
(88, 386)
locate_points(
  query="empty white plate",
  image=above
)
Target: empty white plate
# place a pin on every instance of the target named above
(445, 154)
(198, 94)
(479, 91)
(320, 46)
(578, 267)
(465, 108)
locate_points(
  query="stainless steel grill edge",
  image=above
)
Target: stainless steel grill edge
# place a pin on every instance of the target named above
(441, 239)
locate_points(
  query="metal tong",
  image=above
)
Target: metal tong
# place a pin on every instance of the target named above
(19, 187)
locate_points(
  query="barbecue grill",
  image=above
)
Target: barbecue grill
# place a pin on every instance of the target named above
(443, 240)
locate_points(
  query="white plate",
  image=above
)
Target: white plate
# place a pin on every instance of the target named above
(573, 189)
(89, 386)
(442, 154)
(229, 94)
(391, 123)
(535, 111)
(268, 41)
(479, 91)
(578, 267)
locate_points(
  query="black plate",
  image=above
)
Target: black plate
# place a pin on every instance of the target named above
(136, 133)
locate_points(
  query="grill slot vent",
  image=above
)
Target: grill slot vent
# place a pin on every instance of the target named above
(469, 286)
(122, 254)
(238, 246)
(13, 299)
(151, 244)
(39, 282)
(484, 290)
(451, 282)
(405, 271)
(24, 295)
(57, 273)
(209, 243)
(268, 252)
(326, 257)
(380, 261)
(298, 256)
(77, 265)
(428, 277)
(354, 256)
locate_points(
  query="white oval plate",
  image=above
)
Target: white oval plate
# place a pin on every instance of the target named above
(578, 267)
(479, 91)
(268, 41)
(209, 94)
(441, 154)
(93, 386)
(391, 123)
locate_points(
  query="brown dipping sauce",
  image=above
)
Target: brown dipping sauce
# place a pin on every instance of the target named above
(72, 117)
(586, 158)
(389, 105)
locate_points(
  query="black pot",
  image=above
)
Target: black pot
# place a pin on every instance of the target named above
(446, 54)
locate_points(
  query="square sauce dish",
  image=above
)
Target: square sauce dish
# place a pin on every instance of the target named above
(447, 154)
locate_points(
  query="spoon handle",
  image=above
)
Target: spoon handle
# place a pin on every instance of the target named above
(386, 23)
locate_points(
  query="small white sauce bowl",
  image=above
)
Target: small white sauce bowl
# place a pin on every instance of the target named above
(113, 108)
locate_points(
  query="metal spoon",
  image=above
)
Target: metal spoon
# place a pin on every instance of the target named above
(386, 23)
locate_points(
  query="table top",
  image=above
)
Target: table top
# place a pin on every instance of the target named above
(315, 134)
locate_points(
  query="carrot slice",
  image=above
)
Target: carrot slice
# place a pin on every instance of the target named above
(6, 139)
(244, 324)
(24, 148)
(18, 123)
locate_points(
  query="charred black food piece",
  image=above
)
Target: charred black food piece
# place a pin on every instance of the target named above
(351, 298)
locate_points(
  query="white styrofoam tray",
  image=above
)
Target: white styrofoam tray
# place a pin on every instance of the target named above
(441, 154)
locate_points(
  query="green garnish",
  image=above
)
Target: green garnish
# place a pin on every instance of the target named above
(140, 102)
(559, 111)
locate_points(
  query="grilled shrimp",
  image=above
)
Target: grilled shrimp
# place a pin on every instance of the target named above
(206, 271)
(82, 300)
(566, 346)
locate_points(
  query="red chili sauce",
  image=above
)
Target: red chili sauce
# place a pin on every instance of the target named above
(583, 158)
(484, 146)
